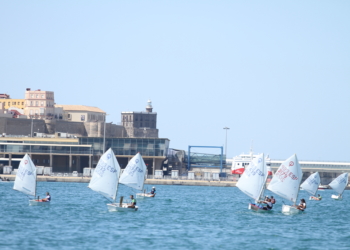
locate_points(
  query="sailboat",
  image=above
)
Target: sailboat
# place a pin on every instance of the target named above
(25, 181)
(285, 183)
(311, 184)
(253, 181)
(338, 185)
(105, 179)
(145, 195)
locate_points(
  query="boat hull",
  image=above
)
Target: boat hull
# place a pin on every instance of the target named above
(255, 208)
(313, 198)
(39, 203)
(337, 197)
(142, 195)
(113, 207)
(290, 210)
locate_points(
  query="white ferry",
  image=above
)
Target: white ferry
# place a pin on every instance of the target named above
(241, 161)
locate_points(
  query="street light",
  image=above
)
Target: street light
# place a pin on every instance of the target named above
(104, 134)
(226, 128)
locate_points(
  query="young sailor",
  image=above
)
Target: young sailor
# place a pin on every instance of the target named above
(133, 202)
(302, 205)
(318, 198)
(47, 198)
(268, 203)
(153, 191)
(273, 200)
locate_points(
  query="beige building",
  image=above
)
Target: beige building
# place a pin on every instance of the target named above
(8, 102)
(39, 104)
(82, 113)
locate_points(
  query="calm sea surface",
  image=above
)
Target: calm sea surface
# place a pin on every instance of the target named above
(179, 217)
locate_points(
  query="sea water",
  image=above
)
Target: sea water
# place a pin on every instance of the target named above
(179, 217)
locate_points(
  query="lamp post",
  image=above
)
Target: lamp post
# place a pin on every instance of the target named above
(226, 128)
(104, 134)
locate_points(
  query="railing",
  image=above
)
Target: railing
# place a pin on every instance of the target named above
(195, 178)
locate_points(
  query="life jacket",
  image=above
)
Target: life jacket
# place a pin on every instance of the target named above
(269, 207)
(273, 201)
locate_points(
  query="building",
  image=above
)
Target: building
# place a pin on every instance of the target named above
(9, 103)
(82, 113)
(141, 124)
(65, 155)
(39, 104)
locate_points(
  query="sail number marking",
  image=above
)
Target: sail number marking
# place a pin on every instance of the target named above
(102, 167)
(284, 172)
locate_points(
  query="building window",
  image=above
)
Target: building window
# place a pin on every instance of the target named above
(41, 111)
(37, 103)
(31, 112)
(42, 103)
(36, 112)
(42, 96)
(69, 116)
(82, 118)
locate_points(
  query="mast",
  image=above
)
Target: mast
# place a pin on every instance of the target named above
(265, 172)
(116, 191)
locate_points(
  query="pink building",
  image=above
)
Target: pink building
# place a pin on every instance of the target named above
(39, 104)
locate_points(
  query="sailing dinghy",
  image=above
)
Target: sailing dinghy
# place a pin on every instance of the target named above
(145, 195)
(105, 181)
(133, 176)
(338, 185)
(285, 183)
(253, 181)
(25, 181)
(311, 184)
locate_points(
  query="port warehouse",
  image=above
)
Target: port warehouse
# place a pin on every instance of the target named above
(66, 155)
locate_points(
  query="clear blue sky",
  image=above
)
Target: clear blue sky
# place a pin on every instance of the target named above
(276, 72)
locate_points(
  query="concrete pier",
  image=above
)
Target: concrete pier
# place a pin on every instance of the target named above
(148, 181)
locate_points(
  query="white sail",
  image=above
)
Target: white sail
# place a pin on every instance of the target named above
(25, 181)
(106, 175)
(286, 180)
(254, 177)
(135, 173)
(339, 184)
(311, 183)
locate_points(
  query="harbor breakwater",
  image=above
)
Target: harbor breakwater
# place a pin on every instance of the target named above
(148, 181)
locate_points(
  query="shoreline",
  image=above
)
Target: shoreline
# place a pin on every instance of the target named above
(175, 182)
(148, 181)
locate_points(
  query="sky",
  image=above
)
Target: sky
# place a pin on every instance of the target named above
(277, 73)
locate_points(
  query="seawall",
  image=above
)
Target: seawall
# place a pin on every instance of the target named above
(148, 181)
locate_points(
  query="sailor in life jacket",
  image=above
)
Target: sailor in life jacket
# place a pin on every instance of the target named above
(273, 201)
(133, 202)
(153, 191)
(302, 205)
(268, 203)
(47, 198)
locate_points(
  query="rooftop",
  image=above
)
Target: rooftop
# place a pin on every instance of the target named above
(80, 108)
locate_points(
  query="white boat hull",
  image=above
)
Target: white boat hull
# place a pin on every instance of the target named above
(337, 197)
(143, 195)
(114, 207)
(290, 209)
(39, 203)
